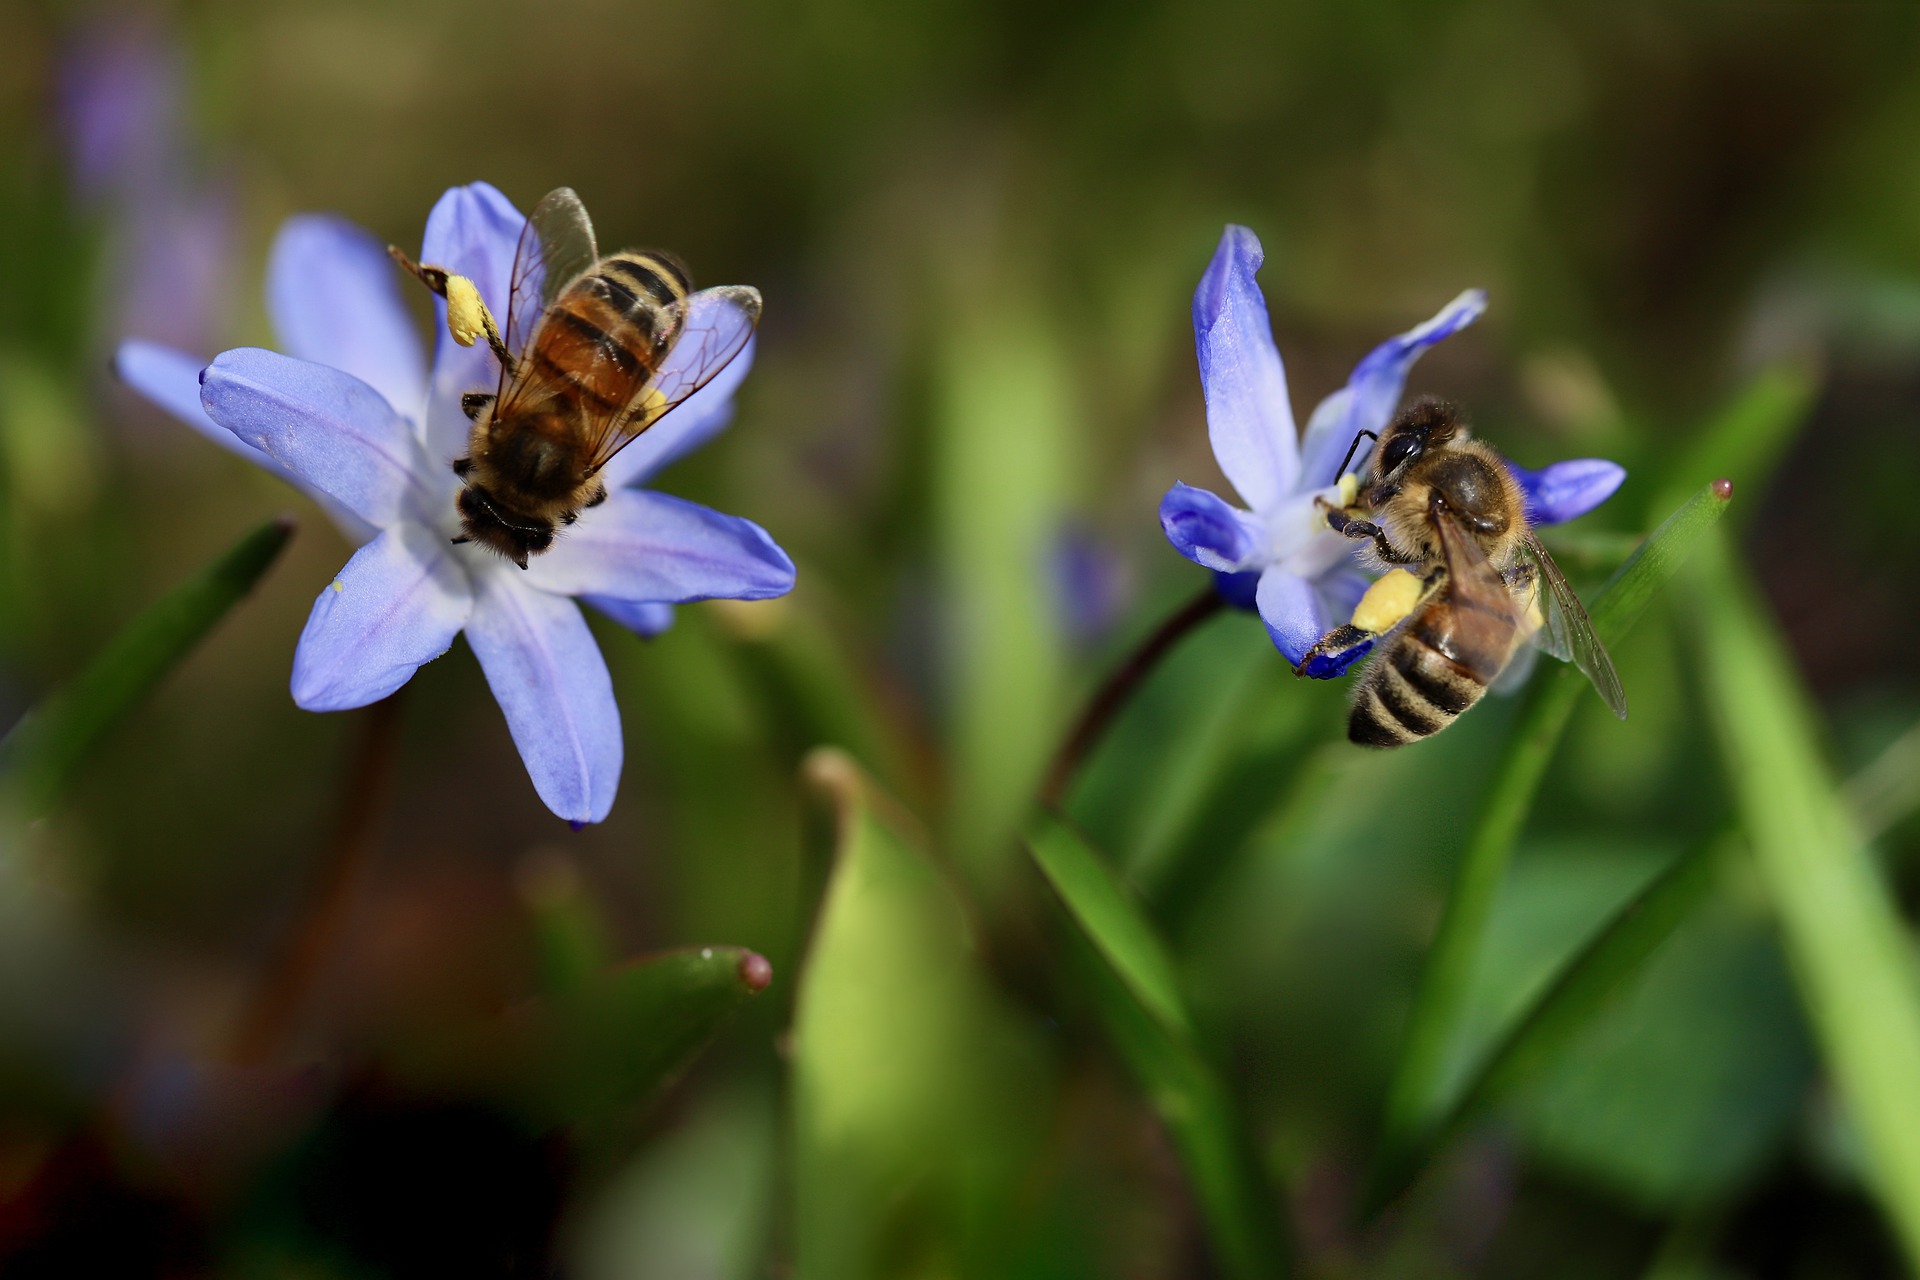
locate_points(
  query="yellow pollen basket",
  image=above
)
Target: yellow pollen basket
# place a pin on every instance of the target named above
(467, 316)
(1388, 601)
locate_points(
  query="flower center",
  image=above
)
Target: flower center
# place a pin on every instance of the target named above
(1298, 539)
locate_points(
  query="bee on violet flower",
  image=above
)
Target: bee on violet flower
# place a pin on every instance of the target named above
(354, 417)
(1278, 555)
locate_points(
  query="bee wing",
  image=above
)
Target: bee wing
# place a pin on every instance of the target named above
(555, 246)
(1567, 631)
(1485, 618)
(710, 328)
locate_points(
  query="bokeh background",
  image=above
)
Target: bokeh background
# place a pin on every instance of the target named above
(977, 227)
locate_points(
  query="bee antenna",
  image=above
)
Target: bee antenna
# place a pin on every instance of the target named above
(1350, 449)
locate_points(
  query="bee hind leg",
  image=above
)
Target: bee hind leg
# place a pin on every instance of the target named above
(1335, 651)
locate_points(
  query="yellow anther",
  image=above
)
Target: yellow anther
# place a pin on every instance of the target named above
(1388, 601)
(467, 316)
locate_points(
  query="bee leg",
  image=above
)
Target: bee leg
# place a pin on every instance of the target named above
(463, 538)
(599, 495)
(461, 466)
(1347, 525)
(435, 278)
(473, 402)
(1334, 652)
(570, 517)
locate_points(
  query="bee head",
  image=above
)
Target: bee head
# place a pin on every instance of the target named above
(485, 521)
(1422, 426)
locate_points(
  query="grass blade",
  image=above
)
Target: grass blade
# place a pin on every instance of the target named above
(43, 750)
(1133, 984)
(1428, 1069)
(1568, 1004)
(1843, 935)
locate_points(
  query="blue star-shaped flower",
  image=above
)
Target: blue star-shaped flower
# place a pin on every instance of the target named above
(1279, 556)
(353, 417)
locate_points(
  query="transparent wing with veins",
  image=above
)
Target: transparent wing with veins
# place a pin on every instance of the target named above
(1567, 632)
(712, 327)
(555, 246)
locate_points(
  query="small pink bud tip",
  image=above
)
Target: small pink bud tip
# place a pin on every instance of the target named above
(756, 971)
(1723, 489)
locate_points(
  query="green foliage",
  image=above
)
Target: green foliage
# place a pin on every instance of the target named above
(50, 742)
(1850, 955)
(914, 1090)
(1137, 994)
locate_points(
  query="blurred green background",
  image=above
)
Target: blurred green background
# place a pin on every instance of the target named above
(977, 227)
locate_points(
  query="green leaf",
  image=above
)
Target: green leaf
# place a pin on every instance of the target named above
(1113, 922)
(50, 742)
(1001, 412)
(1430, 1067)
(917, 1095)
(1850, 954)
(604, 1048)
(1138, 996)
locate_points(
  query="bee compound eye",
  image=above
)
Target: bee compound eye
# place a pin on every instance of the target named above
(1398, 450)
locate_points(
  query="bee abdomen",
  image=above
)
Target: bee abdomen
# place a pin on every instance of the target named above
(1412, 693)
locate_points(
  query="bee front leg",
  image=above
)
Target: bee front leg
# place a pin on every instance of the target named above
(1344, 522)
(473, 402)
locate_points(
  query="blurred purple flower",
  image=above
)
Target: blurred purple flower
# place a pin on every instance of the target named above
(1091, 582)
(355, 417)
(1279, 557)
(167, 231)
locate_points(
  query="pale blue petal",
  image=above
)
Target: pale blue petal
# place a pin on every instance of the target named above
(1567, 490)
(330, 429)
(643, 617)
(472, 231)
(643, 545)
(398, 603)
(1291, 608)
(552, 683)
(1210, 531)
(702, 416)
(172, 380)
(1248, 416)
(334, 296)
(1368, 401)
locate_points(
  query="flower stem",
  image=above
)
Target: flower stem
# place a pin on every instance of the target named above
(270, 1017)
(1118, 688)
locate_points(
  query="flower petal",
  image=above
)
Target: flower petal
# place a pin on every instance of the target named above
(699, 418)
(1208, 530)
(171, 379)
(643, 617)
(330, 429)
(551, 682)
(1567, 490)
(1372, 394)
(1248, 415)
(1291, 608)
(399, 602)
(334, 297)
(642, 545)
(472, 231)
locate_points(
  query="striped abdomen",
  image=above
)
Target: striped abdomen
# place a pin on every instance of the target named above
(607, 332)
(1437, 668)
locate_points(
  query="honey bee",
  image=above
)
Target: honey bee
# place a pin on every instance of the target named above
(1445, 508)
(596, 350)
